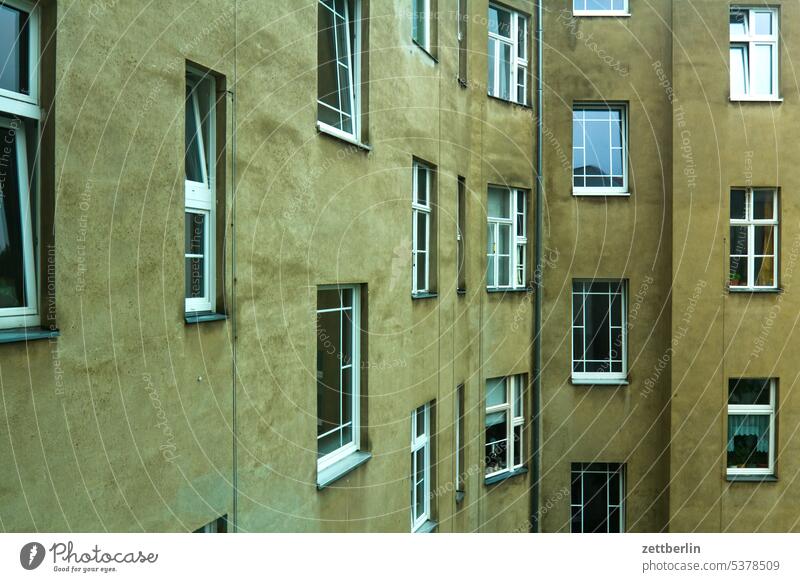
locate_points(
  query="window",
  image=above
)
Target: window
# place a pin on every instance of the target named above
(599, 149)
(219, 525)
(459, 430)
(754, 53)
(598, 498)
(19, 115)
(200, 218)
(751, 426)
(508, 55)
(423, 229)
(421, 23)
(599, 331)
(507, 238)
(339, 67)
(463, 22)
(754, 238)
(600, 7)
(504, 422)
(461, 220)
(338, 365)
(420, 466)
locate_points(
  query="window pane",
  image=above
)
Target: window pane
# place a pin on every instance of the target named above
(504, 272)
(14, 46)
(762, 69)
(517, 445)
(492, 57)
(194, 169)
(738, 271)
(748, 441)
(195, 279)
(598, 148)
(738, 201)
(597, 327)
(763, 204)
(420, 421)
(738, 23)
(496, 442)
(422, 269)
(517, 397)
(749, 391)
(764, 271)
(504, 247)
(764, 23)
(418, 22)
(763, 241)
(329, 386)
(522, 27)
(738, 70)
(505, 71)
(421, 234)
(194, 234)
(739, 240)
(499, 22)
(422, 185)
(419, 479)
(12, 261)
(326, 60)
(598, 4)
(495, 391)
(595, 505)
(499, 203)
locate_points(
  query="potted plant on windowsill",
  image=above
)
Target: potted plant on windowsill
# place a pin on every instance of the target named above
(735, 280)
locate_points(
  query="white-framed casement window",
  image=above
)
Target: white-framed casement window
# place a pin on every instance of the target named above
(600, 7)
(421, 226)
(19, 127)
(504, 424)
(508, 55)
(507, 238)
(599, 149)
(754, 239)
(598, 498)
(599, 331)
(421, 23)
(200, 192)
(420, 466)
(754, 53)
(339, 68)
(338, 366)
(751, 426)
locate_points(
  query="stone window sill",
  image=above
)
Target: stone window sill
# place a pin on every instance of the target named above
(427, 527)
(27, 334)
(752, 478)
(341, 468)
(193, 318)
(500, 477)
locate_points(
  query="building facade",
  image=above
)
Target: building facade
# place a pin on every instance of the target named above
(263, 281)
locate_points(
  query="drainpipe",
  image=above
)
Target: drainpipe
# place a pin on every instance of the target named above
(538, 275)
(234, 420)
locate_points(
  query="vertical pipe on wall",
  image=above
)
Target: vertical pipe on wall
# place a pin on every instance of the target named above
(234, 424)
(537, 277)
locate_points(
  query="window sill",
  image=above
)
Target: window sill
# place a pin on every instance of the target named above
(426, 51)
(601, 13)
(341, 468)
(509, 290)
(428, 527)
(509, 101)
(193, 318)
(27, 334)
(752, 478)
(340, 135)
(600, 193)
(500, 477)
(753, 290)
(754, 99)
(424, 295)
(599, 381)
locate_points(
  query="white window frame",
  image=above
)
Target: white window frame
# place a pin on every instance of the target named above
(15, 110)
(749, 41)
(610, 12)
(19, 317)
(200, 197)
(517, 19)
(18, 103)
(421, 442)
(755, 410)
(602, 190)
(514, 389)
(354, 66)
(421, 209)
(517, 244)
(355, 365)
(609, 506)
(600, 377)
(751, 224)
(426, 19)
